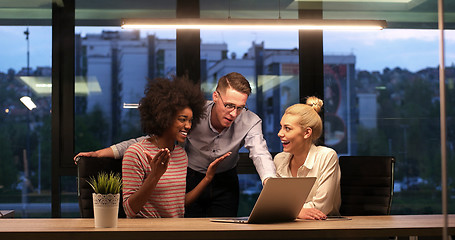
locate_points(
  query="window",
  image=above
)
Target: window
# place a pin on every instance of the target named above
(366, 93)
(271, 66)
(113, 66)
(382, 98)
(25, 132)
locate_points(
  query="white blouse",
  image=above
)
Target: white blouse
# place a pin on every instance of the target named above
(322, 163)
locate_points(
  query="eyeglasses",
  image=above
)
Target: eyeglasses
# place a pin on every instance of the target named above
(230, 106)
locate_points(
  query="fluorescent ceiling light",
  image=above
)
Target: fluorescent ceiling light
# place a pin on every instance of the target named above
(264, 24)
(27, 101)
(42, 86)
(130, 105)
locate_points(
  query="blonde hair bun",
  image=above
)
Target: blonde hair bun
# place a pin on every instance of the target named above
(315, 103)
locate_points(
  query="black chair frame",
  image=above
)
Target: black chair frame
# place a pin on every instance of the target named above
(366, 185)
(87, 167)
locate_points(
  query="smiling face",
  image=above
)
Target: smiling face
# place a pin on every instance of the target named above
(293, 137)
(222, 117)
(181, 126)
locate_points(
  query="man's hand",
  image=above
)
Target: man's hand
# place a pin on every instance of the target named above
(84, 154)
(105, 152)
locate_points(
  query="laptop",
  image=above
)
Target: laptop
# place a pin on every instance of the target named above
(280, 200)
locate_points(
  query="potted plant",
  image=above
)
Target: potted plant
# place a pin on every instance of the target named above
(107, 187)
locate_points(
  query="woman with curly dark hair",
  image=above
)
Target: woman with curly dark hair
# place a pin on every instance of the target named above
(154, 169)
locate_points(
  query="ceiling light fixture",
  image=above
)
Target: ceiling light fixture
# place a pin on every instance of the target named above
(130, 105)
(27, 101)
(256, 24)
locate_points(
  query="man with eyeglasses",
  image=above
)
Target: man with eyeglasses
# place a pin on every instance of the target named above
(227, 127)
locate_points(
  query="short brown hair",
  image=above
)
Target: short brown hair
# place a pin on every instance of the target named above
(164, 98)
(235, 81)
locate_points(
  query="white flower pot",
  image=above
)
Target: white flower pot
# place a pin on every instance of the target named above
(105, 209)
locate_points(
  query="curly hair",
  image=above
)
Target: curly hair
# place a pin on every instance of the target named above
(164, 98)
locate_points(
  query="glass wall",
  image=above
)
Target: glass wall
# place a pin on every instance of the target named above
(385, 87)
(112, 68)
(271, 65)
(382, 84)
(25, 120)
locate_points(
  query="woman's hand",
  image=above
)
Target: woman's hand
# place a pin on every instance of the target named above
(212, 167)
(311, 213)
(159, 162)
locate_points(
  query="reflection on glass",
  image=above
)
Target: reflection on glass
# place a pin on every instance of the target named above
(338, 74)
(68, 194)
(271, 65)
(450, 115)
(25, 130)
(250, 188)
(112, 68)
(382, 98)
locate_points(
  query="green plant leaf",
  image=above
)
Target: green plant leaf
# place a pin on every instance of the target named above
(106, 183)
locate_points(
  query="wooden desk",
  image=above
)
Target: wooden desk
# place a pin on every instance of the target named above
(201, 229)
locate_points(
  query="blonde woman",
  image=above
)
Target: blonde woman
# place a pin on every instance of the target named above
(301, 127)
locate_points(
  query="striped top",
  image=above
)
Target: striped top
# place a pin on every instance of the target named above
(168, 198)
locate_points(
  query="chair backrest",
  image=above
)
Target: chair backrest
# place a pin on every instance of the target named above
(366, 185)
(87, 167)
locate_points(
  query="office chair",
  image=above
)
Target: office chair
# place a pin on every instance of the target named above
(366, 185)
(91, 166)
